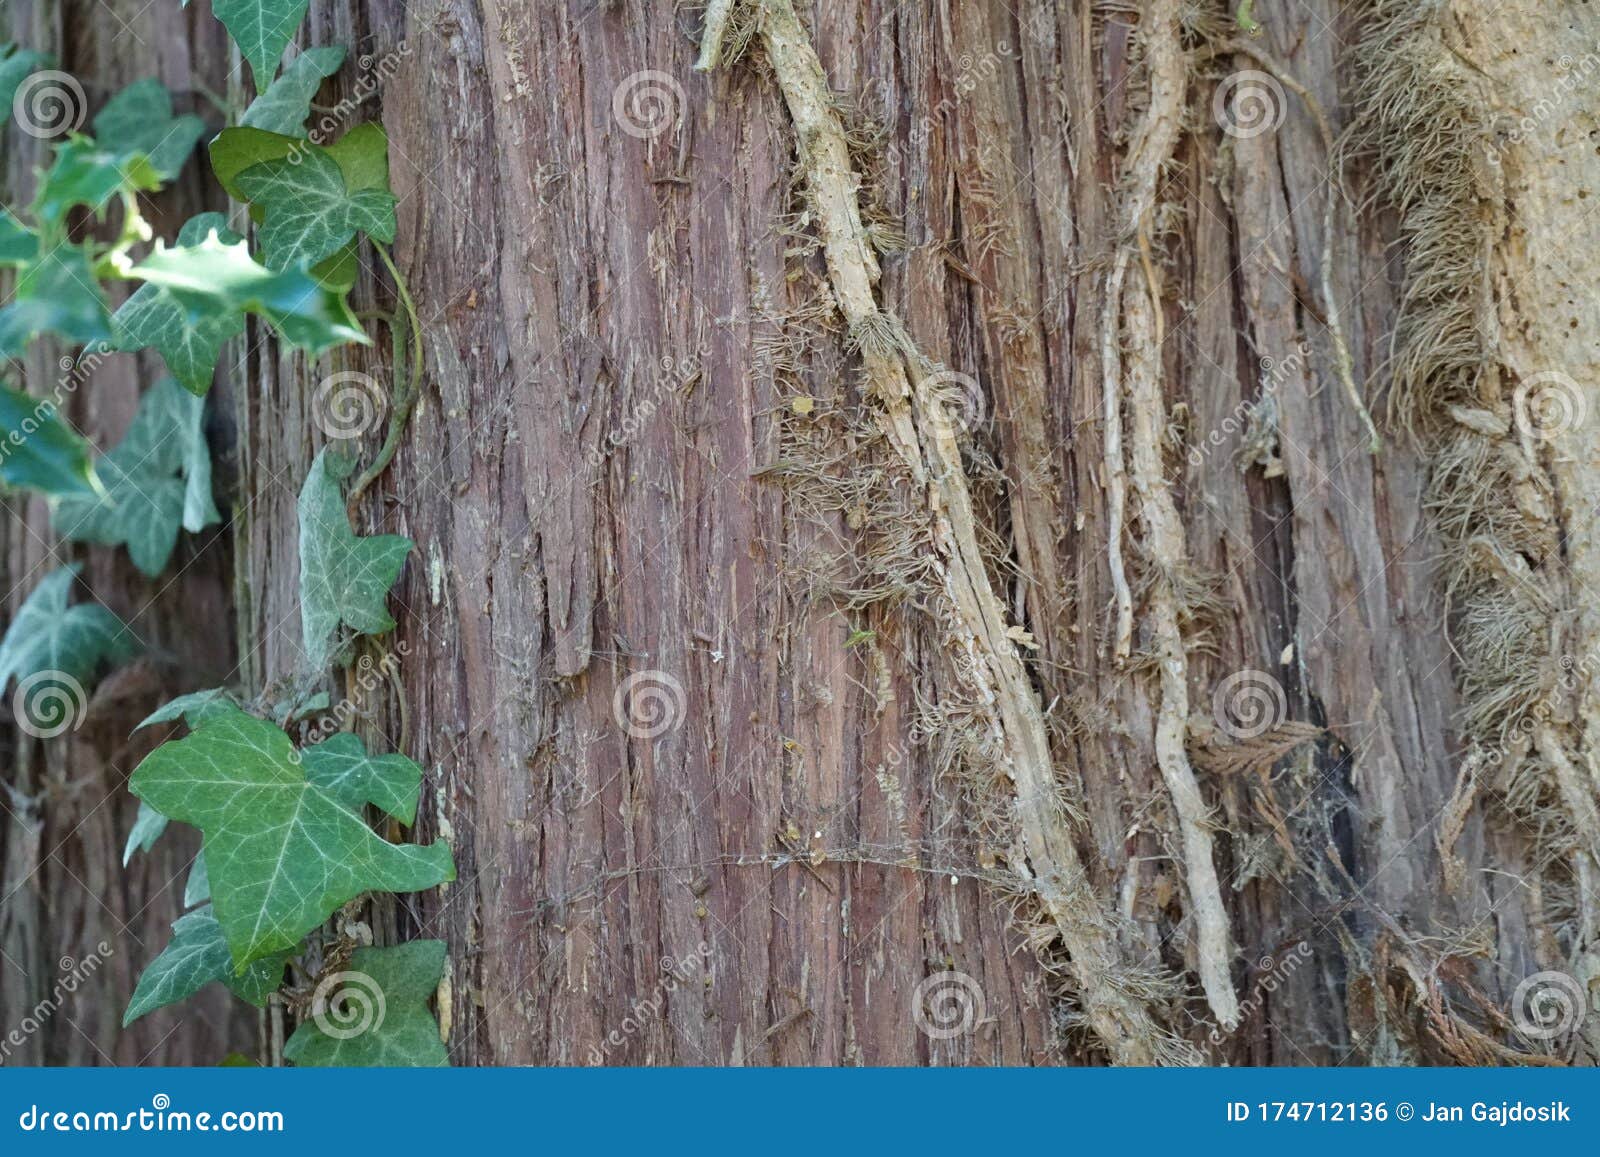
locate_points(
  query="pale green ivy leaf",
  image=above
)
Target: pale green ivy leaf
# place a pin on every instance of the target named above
(342, 765)
(343, 578)
(310, 214)
(286, 104)
(282, 853)
(19, 245)
(375, 1013)
(196, 956)
(70, 643)
(197, 889)
(139, 120)
(157, 479)
(88, 175)
(193, 708)
(38, 451)
(217, 277)
(262, 29)
(147, 828)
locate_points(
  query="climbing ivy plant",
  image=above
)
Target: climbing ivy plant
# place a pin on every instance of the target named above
(287, 842)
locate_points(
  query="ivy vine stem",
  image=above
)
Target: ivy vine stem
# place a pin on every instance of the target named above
(407, 387)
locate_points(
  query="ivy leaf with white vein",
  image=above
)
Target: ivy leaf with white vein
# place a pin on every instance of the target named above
(154, 316)
(157, 479)
(48, 635)
(343, 578)
(197, 889)
(262, 29)
(309, 212)
(38, 451)
(389, 782)
(283, 108)
(196, 956)
(281, 852)
(374, 1013)
(147, 828)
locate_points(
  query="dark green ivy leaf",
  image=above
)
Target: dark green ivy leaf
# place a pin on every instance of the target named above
(37, 449)
(310, 214)
(147, 829)
(19, 245)
(283, 108)
(196, 956)
(86, 174)
(343, 578)
(15, 65)
(157, 479)
(48, 635)
(281, 852)
(193, 708)
(389, 782)
(375, 1013)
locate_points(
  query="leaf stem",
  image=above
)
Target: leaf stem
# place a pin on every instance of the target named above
(407, 388)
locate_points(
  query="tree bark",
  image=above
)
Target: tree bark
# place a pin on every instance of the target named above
(745, 643)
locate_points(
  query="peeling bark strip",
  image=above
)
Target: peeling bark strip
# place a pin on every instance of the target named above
(1139, 324)
(918, 426)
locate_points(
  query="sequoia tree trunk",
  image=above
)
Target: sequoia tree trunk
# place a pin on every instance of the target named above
(1093, 698)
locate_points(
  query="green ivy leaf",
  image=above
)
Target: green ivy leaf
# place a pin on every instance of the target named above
(217, 277)
(86, 174)
(196, 956)
(286, 104)
(19, 245)
(193, 708)
(282, 853)
(375, 1013)
(15, 65)
(155, 317)
(262, 29)
(310, 214)
(341, 765)
(147, 829)
(157, 479)
(38, 451)
(69, 642)
(343, 578)
(139, 120)
(56, 294)
(197, 889)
